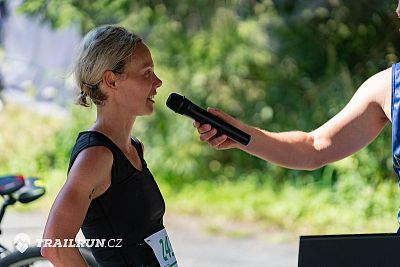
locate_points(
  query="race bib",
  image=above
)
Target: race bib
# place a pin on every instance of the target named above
(162, 248)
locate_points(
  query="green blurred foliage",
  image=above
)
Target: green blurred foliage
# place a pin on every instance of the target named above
(279, 65)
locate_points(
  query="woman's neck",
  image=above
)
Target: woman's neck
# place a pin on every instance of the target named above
(117, 127)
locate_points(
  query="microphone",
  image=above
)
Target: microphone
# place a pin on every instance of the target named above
(184, 106)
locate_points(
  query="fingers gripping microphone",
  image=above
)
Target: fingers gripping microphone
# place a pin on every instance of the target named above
(184, 106)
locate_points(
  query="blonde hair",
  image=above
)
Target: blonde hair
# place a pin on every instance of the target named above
(107, 47)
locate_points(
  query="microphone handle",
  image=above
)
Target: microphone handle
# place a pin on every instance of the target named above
(203, 116)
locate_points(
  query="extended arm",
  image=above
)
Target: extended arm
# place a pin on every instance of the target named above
(350, 130)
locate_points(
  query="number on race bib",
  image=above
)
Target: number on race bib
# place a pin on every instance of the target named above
(166, 248)
(162, 248)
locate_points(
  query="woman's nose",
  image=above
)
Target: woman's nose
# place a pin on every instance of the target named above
(157, 81)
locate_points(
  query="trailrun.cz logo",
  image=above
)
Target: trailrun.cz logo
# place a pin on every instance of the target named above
(22, 241)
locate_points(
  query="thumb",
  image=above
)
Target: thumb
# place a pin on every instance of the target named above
(222, 115)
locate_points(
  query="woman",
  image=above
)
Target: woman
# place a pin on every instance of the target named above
(109, 192)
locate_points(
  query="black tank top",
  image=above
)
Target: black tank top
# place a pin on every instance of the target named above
(131, 209)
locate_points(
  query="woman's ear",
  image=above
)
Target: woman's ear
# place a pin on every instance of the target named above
(109, 79)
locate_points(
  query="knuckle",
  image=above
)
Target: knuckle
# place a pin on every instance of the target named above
(215, 143)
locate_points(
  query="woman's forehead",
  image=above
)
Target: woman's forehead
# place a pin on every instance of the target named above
(141, 56)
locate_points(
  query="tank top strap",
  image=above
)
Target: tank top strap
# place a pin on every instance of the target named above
(88, 139)
(138, 146)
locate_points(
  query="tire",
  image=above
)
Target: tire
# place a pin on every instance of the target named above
(32, 257)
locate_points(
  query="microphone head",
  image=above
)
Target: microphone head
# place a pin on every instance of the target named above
(175, 102)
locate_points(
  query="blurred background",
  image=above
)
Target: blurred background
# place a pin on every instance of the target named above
(279, 65)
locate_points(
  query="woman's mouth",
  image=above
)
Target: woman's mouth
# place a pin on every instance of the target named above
(151, 98)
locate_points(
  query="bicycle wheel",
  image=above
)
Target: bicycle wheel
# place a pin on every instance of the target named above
(32, 257)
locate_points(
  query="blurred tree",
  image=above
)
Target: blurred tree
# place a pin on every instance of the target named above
(280, 65)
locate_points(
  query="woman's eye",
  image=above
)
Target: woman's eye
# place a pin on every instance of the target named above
(147, 74)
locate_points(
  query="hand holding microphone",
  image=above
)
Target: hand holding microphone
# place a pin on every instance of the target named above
(210, 135)
(183, 106)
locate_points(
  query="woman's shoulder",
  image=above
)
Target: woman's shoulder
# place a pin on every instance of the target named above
(95, 159)
(91, 148)
(87, 139)
(96, 155)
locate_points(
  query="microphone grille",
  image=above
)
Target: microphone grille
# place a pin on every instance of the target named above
(174, 102)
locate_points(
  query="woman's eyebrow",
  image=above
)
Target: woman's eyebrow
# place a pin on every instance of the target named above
(147, 64)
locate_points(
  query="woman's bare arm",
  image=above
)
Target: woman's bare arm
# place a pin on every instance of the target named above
(89, 177)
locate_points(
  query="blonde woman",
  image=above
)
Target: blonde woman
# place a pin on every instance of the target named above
(109, 192)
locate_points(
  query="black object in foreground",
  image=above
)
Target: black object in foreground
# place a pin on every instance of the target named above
(366, 250)
(184, 106)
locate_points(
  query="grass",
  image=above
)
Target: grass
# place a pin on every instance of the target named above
(305, 210)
